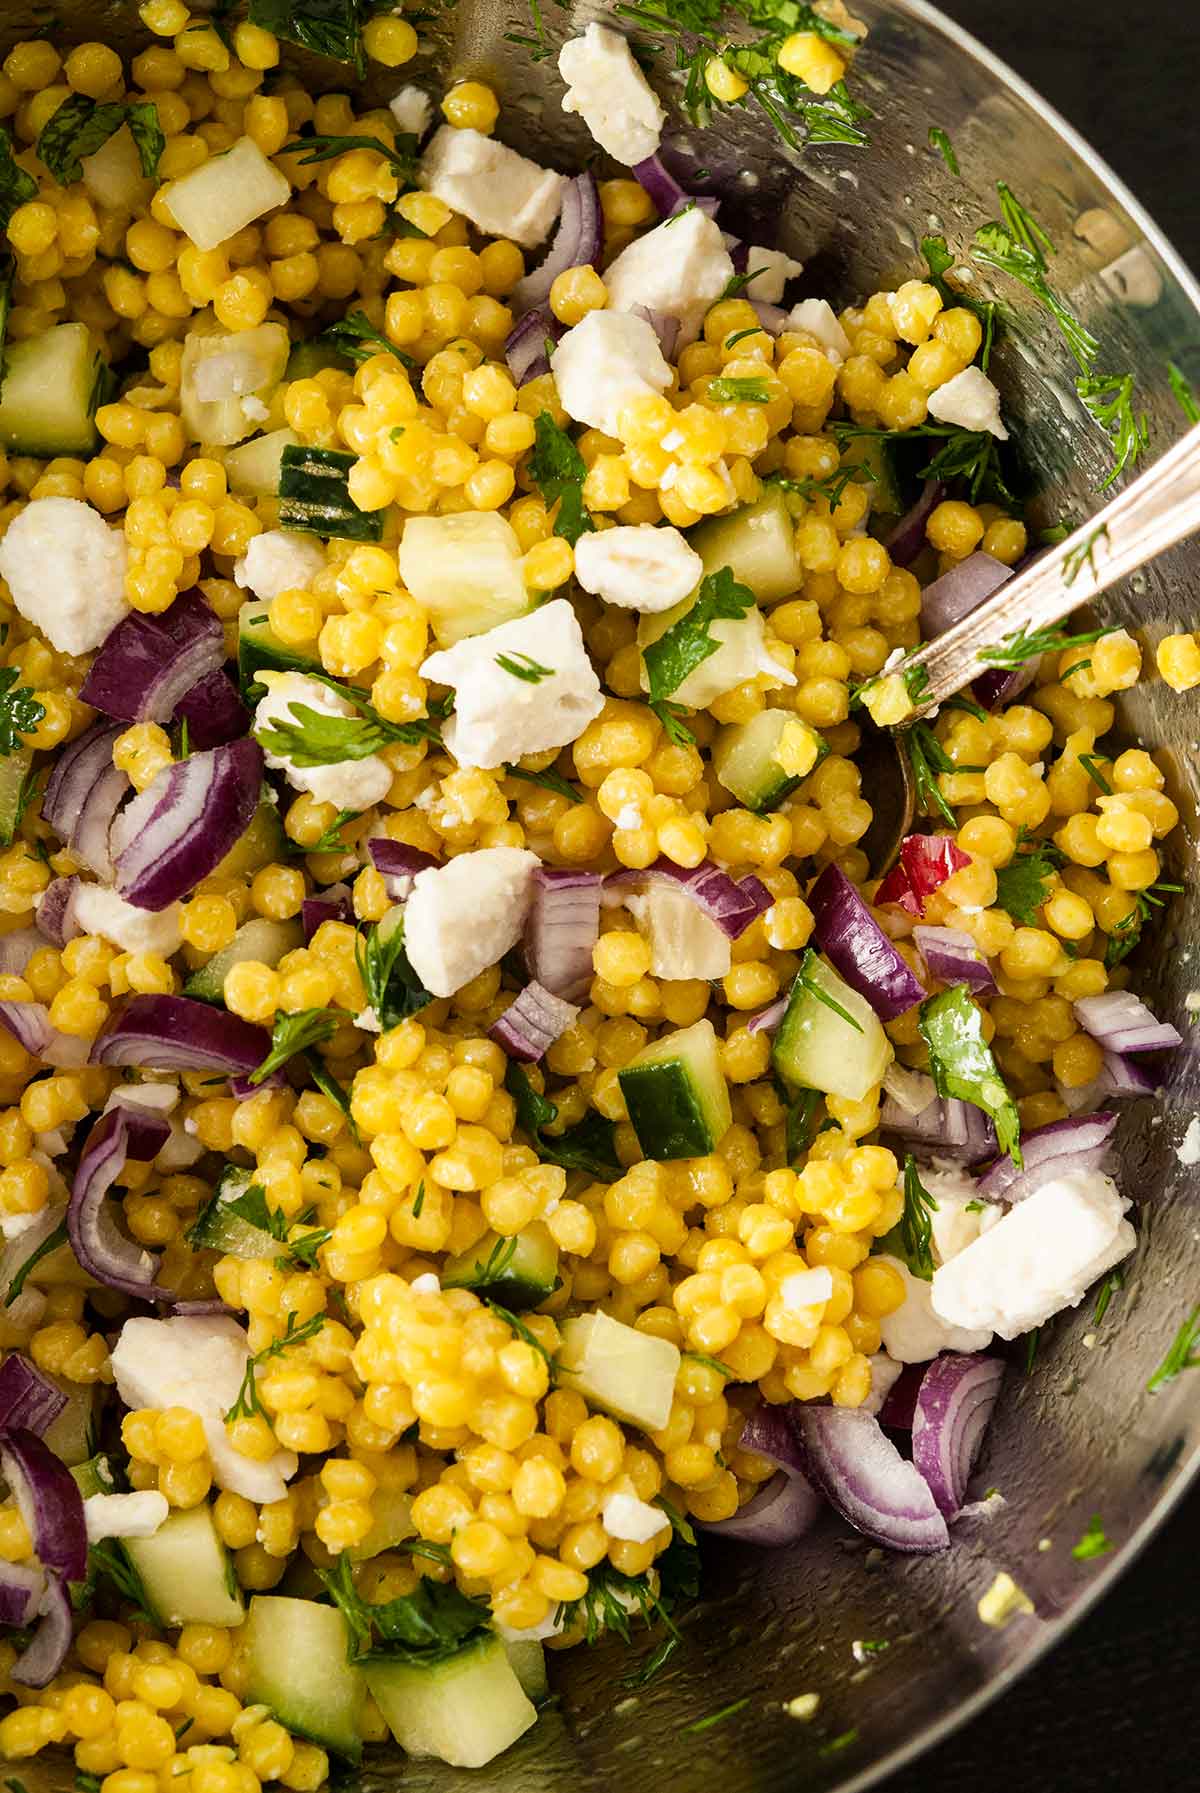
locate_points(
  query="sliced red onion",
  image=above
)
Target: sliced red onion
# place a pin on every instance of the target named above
(862, 1474)
(578, 242)
(668, 196)
(947, 1126)
(960, 591)
(126, 1131)
(29, 1022)
(335, 903)
(1119, 1077)
(47, 1650)
(213, 1305)
(664, 325)
(21, 1591)
(177, 1033)
(953, 956)
(768, 1018)
(1078, 1143)
(732, 906)
(525, 344)
(562, 929)
(398, 864)
(529, 1026)
(954, 1405)
(857, 946)
(28, 1400)
(905, 539)
(900, 1402)
(19, 945)
(213, 711)
(1000, 685)
(55, 913)
(1122, 1023)
(926, 862)
(912, 1091)
(83, 794)
(49, 1502)
(148, 662)
(768, 1432)
(784, 1509)
(181, 826)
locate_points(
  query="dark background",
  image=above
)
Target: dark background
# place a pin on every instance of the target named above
(1115, 1705)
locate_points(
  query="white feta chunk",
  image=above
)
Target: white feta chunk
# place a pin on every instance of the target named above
(915, 1333)
(1043, 1256)
(522, 687)
(98, 910)
(684, 941)
(428, 1283)
(819, 319)
(13, 1225)
(503, 193)
(465, 915)
(199, 1362)
(636, 1521)
(412, 110)
(885, 1373)
(1188, 1149)
(65, 568)
(607, 359)
(124, 1515)
(971, 401)
(772, 270)
(610, 93)
(960, 1216)
(279, 560)
(639, 566)
(347, 784)
(807, 1288)
(680, 267)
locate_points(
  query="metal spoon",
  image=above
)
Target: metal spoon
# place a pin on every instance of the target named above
(1160, 508)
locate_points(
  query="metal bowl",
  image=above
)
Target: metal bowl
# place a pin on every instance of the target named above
(1078, 1433)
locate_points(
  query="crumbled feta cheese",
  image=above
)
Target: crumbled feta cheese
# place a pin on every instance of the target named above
(1188, 1149)
(428, 1283)
(636, 1521)
(772, 270)
(971, 401)
(915, 1333)
(807, 1288)
(367, 1021)
(885, 1373)
(65, 568)
(607, 359)
(199, 1363)
(254, 410)
(503, 193)
(1043, 1256)
(681, 267)
(412, 110)
(639, 566)
(464, 916)
(500, 716)
(818, 318)
(629, 816)
(279, 560)
(347, 784)
(13, 1225)
(608, 90)
(956, 1220)
(684, 941)
(124, 1515)
(98, 910)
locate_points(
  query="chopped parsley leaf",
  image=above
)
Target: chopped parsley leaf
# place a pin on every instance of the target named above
(687, 644)
(1184, 1354)
(558, 470)
(1094, 1542)
(1025, 883)
(939, 141)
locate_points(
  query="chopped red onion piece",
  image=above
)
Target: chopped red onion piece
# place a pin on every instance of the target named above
(783, 1510)
(953, 956)
(178, 830)
(578, 241)
(668, 196)
(948, 1126)
(900, 1402)
(1078, 1143)
(562, 929)
(926, 862)
(857, 946)
(960, 591)
(525, 344)
(213, 711)
(149, 662)
(773, 318)
(768, 1432)
(768, 1018)
(128, 1130)
(49, 1502)
(1119, 1077)
(28, 1399)
(21, 1590)
(19, 945)
(56, 914)
(733, 907)
(47, 1650)
(664, 325)
(176, 1033)
(335, 903)
(398, 864)
(529, 1026)
(999, 685)
(906, 538)
(213, 1305)
(29, 1022)
(1122, 1023)
(954, 1405)
(83, 794)
(862, 1474)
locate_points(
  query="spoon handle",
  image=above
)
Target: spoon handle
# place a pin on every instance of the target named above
(1158, 509)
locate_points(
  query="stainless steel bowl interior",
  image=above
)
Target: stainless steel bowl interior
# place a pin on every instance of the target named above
(1079, 1433)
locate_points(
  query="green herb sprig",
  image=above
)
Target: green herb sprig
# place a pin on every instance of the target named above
(961, 1063)
(1183, 1354)
(549, 780)
(393, 989)
(428, 1625)
(81, 126)
(248, 1401)
(1094, 1542)
(688, 643)
(524, 667)
(293, 1033)
(589, 1146)
(737, 390)
(356, 337)
(939, 141)
(321, 148)
(558, 470)
(1108, 398)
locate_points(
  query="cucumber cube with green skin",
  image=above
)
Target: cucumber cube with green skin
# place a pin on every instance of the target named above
(48, 397)
(260, 650)
(295, 1652)
(391, 1524)
(217, 1229)
(758, 545)
(314, 495)
(621, 1371)
(252, 469)
(72, 1434)
(528, 1660)
(519, 1273)
(676, 1095)
(746, 758)
(261, 939)
(464, 1710)
(14, 771)
(263, 843)
(818, 1048)
(187, 1572)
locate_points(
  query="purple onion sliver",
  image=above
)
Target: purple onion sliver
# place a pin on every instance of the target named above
(768, 1018)
(525, 344)
(29, 1022)
(530, 1025)
(149, 662)
(953, 956)
(21, 1590)
(863, 1476)
(954, 1405)
(857, 946)
(665, 326)
(768, 1432)
(1078, 1143)
(960, 591)
(578, 241)
(732, 907)
(49, 1501)
(212, 1305)
(177, 1033)
(773, 318)
(27, 1398)
(999, 685)
(83, 794)
(213, 711)
(782, 1511)
(562, 929)
(335, 903)
(906, 539)
(398, 864)
(124, 1132)
(1121, 1022)
(55, 915)
(178, 830)
(668, 196)
(18, 946)
(47, 1649)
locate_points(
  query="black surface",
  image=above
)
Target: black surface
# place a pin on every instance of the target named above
(1115, 1705)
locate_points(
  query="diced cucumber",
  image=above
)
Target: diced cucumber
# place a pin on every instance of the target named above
(624, 1372)
(226, 193)
(758, 545)
(295, 1653)
(676, 1094)
(391, 1523)
(463, 1710)
(818, 1048)
(520, 1272)
(94, 1476)
(14, 770)
(684, 942)
(187, 1572)
(312, 357)
(72, 1435)
(252, 470)
(874, 457)
(263, 940)
(220, 370)
(314, 495)
(260, 650)
(262, 844)
(465, 570)
(528, 1660)
(742, 654)
(762, 761)
(216, 1229)
(50, 390)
